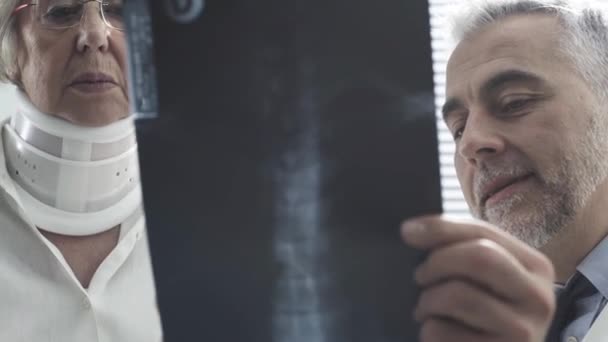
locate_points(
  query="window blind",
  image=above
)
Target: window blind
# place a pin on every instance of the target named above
(453, 200)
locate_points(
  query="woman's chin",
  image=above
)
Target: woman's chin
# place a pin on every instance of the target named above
(94, 117)
(94, 111)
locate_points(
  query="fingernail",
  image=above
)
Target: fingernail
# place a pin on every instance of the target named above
(413, 228)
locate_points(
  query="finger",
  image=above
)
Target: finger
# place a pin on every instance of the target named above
(483, 262)
(441, 330)
(432, 232)
(473, 308)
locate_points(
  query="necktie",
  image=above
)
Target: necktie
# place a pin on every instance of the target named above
(577, 288)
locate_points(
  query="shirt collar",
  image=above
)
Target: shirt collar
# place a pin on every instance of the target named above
(595, 267)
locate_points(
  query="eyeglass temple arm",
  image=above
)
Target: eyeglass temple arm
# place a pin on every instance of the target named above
(21, 7)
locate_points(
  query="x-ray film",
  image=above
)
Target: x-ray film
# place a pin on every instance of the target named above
(282, 143)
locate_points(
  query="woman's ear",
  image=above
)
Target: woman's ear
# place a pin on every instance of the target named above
(14, 75)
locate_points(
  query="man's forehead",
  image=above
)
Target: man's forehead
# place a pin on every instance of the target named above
(523, 35)
(524, 42)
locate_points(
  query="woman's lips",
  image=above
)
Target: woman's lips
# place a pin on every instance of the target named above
(93, 87)
(93, 82)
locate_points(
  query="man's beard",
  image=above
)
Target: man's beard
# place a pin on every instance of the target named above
(562, 191)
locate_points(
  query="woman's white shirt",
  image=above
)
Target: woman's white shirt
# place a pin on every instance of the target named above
(41, 300)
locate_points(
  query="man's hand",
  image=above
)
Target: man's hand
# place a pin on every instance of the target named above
(479, 283)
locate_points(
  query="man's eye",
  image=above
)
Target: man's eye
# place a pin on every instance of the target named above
(458, 133)
(515, 105)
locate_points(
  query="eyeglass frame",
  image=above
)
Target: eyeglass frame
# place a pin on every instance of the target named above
(82, 2)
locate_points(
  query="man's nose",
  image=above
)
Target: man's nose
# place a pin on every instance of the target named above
(481, 139)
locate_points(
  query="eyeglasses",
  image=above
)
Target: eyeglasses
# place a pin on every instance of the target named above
(63, 14)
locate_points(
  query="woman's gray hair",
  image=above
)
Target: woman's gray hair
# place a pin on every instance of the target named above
(584, 24)
(8, 39)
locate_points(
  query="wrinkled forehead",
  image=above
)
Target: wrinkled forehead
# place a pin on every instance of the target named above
(529, 42)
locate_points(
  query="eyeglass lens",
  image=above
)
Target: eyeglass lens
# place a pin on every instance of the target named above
(68, 13)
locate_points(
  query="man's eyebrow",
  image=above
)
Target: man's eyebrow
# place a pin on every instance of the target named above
(450, 106)
(503, 78)
(494, 84)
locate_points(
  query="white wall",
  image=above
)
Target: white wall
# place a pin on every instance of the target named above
(7, 101)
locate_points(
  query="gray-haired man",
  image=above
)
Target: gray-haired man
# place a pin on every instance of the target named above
(527, 92)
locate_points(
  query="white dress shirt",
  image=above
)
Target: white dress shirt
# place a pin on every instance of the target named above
(42, 301)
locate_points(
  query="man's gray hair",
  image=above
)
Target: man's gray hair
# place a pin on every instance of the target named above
(8, 39)
(585, 31)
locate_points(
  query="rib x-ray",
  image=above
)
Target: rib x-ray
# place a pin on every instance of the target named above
(282, 143)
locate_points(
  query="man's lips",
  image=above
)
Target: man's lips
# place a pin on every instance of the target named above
(499, 184)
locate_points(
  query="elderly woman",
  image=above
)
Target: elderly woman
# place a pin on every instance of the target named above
(74, 260)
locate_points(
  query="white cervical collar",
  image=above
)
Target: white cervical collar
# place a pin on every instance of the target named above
(72, 180)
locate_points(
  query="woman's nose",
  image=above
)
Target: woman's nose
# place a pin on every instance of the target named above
(94, 32)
